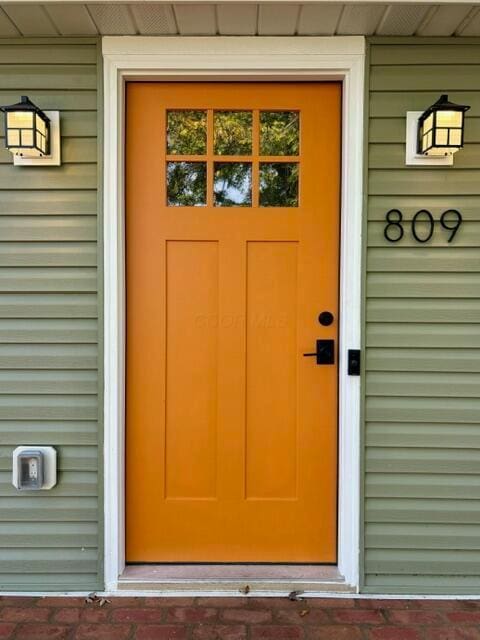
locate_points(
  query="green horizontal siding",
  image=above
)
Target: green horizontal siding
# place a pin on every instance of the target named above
(17, 77)
(49, 202)
(423, 485)
(37, 330)
(431, 311)
(48, 254)
(440, 536)
(47, 535)
(42, 279)
(50, 382)
(46, 228)
(422, 336)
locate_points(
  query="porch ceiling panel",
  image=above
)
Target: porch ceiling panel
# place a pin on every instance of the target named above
(239, 18)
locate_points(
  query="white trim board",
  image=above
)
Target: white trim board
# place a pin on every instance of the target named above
(230, 58)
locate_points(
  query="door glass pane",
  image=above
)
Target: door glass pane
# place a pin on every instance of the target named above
(233, 133)
(186, 184)
(187, 132)
(279, 133)
(278, 184)
(233, 184)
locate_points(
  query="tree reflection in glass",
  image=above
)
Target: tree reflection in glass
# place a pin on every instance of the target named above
(233, 184)
(278, 184)
(186, 132)
(233, 133)
(186, 184)
(279, 133)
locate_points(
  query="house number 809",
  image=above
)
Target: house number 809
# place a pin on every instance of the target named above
(394, 231)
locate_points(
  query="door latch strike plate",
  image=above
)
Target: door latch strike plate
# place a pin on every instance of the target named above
(354, 361)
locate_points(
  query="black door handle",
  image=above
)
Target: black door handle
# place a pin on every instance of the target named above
(325, 352)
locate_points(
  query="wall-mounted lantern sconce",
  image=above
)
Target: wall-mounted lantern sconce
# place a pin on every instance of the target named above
(27, 130)
(436, 134)
(440, 128)
(32, 135)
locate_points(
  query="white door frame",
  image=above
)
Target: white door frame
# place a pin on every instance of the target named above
(233, 58)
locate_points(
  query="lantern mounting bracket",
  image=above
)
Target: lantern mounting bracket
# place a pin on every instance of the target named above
(412, 157)
(54, 159)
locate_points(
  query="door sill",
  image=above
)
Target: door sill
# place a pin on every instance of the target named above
(233, 579)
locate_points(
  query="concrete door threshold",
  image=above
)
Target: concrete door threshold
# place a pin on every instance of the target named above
(233, 579)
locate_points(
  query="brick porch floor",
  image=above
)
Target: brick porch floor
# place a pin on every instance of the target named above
(249, 618)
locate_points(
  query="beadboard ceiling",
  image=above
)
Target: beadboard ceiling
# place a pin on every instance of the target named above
(242, 18)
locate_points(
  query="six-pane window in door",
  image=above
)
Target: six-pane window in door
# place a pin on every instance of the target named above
(232, 158)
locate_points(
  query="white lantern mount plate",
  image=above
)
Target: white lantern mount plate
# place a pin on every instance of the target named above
(54, 159)
(411, 155)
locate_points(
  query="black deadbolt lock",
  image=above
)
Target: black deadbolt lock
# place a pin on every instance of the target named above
(325, 352)
(325, 318)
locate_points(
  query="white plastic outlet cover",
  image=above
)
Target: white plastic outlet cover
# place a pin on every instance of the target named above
(54, 159)
(49, 464)
(411, 155)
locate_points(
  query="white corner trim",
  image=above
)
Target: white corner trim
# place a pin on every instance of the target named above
(230, 58)
(350, 322)
(413, 158)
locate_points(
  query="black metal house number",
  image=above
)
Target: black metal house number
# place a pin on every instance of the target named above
(394, 230)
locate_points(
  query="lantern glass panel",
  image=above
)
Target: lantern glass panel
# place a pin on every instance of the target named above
(456, 137)
(441, 137)
(440, 152)
(20, 120)
(449, 118)
(428, 124)
(40, 125)
(27, 138)
(13, 138)
(423, 143)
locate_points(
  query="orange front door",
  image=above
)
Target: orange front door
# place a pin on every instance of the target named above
(232, 245)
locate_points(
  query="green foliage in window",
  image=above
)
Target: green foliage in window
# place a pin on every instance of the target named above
(233, 184)
(187, 132)
(278, 184)
(186, 184)
(233, 133)
(279, 133)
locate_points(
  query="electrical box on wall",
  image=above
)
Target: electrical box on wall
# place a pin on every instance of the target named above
(34, 468)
